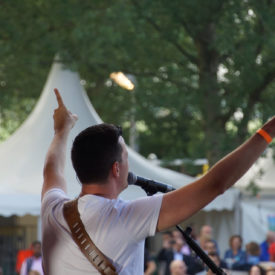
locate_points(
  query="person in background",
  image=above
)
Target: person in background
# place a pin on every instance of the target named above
(253, 252)
(185, 248)
(211, 249)
(167, 241)
(216, 259)
(256, 270)
(206, 234)
(167, 256)
(270, 270)
(22, 255)
(33, 263)
(149, 263)
(178, 267)
(271, 251)
(235, 257)
(270, 238)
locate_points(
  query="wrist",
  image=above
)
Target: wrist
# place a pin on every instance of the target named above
(265, 135)
(62, 132)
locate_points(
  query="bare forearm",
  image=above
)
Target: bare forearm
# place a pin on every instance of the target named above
(56, 155)
(55, 162)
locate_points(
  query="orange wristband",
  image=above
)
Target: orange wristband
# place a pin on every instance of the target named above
(265, 135)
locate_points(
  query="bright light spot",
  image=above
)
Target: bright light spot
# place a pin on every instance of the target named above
(108, 83)
(122, 80)
(251, 13)
(141, 126)
(237, 19)
(254, 125)
(126, 124)
(238, 115)
(156, 79)
(83, 82)
(231, 127)
(237, 73)
(222, 71)
(259, 59)
(152, 156)
(163, 112)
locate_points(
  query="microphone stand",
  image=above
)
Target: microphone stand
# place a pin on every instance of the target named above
(192, 244)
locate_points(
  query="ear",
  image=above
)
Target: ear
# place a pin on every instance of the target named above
(115, 169)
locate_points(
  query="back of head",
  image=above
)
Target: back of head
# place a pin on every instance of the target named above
(252, 248)
(178, 267)
(206, 230)
(94, 151)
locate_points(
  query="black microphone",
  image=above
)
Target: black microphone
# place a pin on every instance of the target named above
(151, 187)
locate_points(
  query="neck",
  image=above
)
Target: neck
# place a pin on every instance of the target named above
(107, 190)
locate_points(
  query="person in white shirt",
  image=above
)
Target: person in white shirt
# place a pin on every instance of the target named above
(33, 263)
(118, 228)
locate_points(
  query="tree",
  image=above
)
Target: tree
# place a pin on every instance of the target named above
(204, 69)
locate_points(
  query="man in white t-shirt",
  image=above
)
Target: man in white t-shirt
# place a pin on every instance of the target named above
(118, 228)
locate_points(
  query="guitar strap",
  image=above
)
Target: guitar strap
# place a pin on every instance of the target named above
(83, 240)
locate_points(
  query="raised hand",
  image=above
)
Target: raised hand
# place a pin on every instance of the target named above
(63, 118)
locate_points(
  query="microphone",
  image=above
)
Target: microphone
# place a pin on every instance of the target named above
(151, 187)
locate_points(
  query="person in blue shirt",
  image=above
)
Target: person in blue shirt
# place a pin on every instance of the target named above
(235, 257)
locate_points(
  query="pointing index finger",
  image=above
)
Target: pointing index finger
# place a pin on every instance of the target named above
(58, 98)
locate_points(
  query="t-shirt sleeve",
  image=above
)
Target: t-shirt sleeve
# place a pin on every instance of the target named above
(52, 198)
(140, 217)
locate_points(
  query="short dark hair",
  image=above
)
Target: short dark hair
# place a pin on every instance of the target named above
(36, 242)
(235, 237)
(94, 151)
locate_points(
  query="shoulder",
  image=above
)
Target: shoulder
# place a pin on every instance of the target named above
(154, 201)
(51, 199)
(228, 252)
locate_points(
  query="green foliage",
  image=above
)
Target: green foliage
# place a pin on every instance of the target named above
(175, 49)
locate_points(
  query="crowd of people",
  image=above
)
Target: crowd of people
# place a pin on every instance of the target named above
(176, 258)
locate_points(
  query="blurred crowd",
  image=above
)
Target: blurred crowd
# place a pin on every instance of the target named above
(176, 258)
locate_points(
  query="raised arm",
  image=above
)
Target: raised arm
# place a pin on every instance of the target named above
(54, 166)
(184, 202)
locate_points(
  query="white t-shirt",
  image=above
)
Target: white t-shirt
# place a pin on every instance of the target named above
(118, 228)
(36, 265)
